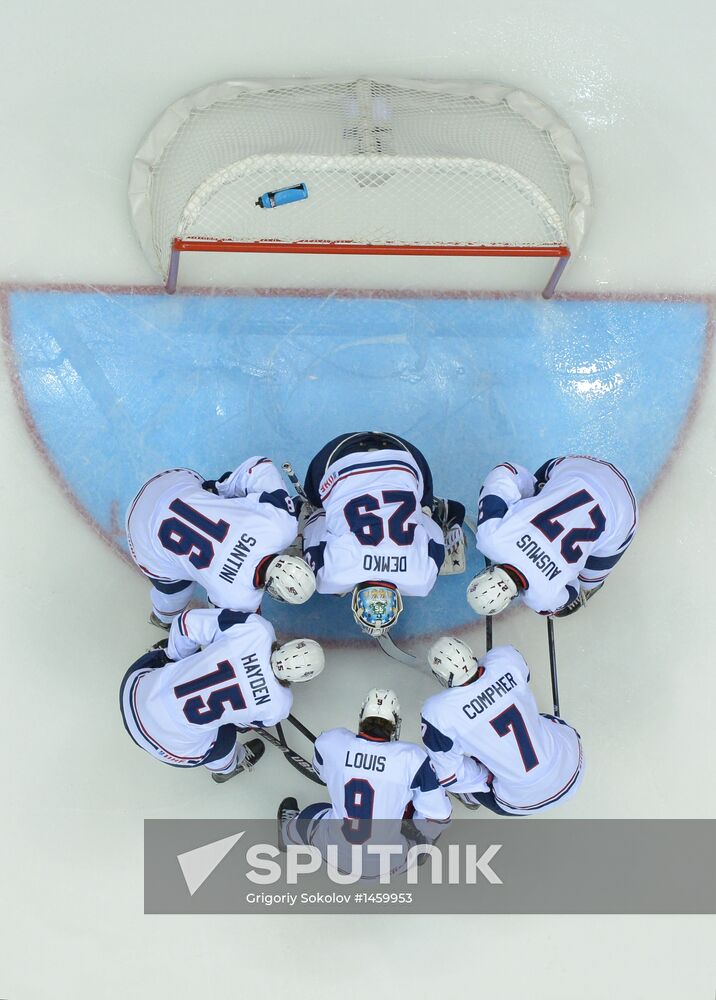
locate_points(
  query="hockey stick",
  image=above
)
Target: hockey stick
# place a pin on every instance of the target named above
(294, 480)
(291, 756)
(389, 647)
(301, 728)
(553, 665)
(488, 618)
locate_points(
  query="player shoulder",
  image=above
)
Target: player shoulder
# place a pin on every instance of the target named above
(437, 703)
(502, 658)
(335, 738)
(413, 753)
(250, 625)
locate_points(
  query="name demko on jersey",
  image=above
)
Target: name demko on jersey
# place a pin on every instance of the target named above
(372, 528)
(490, 734)
(566, 535)
(178, 531)
(178, 708)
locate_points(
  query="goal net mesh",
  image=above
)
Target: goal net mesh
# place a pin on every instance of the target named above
(386, 163)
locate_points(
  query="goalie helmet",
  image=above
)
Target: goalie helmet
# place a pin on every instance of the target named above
(452, 661)
(376, 606)
(381, 703)
(290, 580)
(491, 591)
(298, 660)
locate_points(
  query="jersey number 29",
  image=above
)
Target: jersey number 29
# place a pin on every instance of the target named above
(369, 528)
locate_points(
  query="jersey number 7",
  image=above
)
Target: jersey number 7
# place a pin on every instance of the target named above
(511, 721)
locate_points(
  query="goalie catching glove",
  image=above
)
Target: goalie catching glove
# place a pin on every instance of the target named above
(455, 559)
(450, 515)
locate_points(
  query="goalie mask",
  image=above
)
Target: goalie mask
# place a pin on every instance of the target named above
(376, 607)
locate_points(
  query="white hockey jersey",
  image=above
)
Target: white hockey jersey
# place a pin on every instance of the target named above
(489, 734)
(178, 709)
(567, 530)
(371, 527)
(177, 531)
(369, 778)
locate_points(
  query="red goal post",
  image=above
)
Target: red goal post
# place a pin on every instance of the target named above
(407, 167)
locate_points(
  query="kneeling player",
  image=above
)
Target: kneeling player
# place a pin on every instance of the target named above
(486, 739)
(224, 534)
(185, 706)
(554, 536)
(371, 775)
(378, 530)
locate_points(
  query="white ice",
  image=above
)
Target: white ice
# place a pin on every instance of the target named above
(82, 82)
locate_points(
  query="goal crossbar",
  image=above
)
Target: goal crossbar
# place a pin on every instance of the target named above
(180, 246)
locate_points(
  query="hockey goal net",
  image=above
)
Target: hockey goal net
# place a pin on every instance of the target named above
(390, 166)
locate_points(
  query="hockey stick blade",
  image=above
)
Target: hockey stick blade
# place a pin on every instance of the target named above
(389, 647)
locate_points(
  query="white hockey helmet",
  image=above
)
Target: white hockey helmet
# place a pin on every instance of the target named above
(376, 606)
(381, 703)
(290, 579)
(452, 661)
(491, 591)
(298, 660)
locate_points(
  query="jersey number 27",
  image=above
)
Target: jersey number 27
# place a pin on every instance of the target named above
(552, 528)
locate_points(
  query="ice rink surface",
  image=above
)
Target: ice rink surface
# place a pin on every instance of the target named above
(621, 360)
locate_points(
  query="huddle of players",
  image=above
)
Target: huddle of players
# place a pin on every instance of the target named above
(368, 524)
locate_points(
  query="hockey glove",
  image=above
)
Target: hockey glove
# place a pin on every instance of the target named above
(455, 559)
(210, 484)
(579, 601)
(160, 648)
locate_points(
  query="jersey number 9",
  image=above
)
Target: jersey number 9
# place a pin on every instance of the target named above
(358, 800)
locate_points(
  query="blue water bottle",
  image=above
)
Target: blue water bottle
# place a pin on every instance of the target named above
(284, 196)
